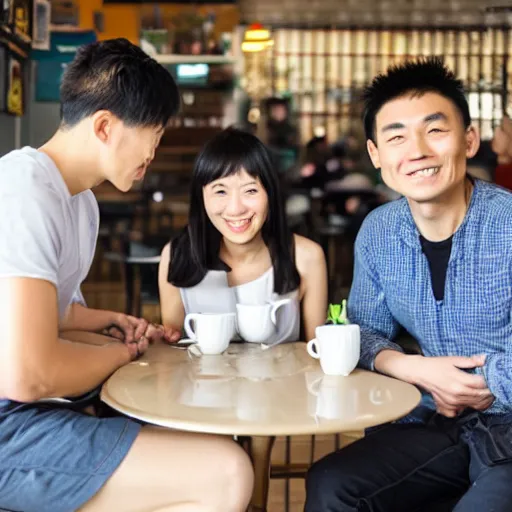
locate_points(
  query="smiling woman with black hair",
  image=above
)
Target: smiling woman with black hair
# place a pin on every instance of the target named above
(237, 246)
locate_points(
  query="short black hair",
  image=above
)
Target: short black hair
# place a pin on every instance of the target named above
(117, 76)
(196, 250)
(416, 78)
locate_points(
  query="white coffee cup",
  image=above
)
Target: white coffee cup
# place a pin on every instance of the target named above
(257, 323)
(338, 348)
(212, 331)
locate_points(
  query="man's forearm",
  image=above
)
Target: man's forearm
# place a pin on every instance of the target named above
(372, 344)
(396, 364)
(81, 318)
(76, 368)
(90, 338)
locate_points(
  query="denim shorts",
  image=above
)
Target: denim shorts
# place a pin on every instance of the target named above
(57, 459)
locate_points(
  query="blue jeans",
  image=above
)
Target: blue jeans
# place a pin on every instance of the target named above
(54, 459)
(413, 467)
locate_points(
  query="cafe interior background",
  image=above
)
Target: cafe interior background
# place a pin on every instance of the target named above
(291, 72)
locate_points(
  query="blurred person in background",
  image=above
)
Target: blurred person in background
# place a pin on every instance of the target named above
(502, 146)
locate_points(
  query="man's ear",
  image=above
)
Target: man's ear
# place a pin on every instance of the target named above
(102, 122)
(472, 141)
(374, 153)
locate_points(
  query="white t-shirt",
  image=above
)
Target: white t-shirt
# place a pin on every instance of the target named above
(45, 232)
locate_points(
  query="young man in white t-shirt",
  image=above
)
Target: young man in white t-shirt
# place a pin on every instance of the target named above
(115, 103)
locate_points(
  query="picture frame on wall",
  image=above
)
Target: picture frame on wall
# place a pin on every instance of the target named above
(14, 94)
(16, 25)
(20, 18)
(41, 24)
(5, 12)
(3, 78)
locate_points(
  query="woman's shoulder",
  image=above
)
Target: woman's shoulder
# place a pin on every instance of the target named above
(166, 252)
(307, 252)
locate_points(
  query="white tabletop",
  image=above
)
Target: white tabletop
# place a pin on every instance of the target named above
(254, 392)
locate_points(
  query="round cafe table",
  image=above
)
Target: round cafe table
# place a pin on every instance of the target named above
(250, 391)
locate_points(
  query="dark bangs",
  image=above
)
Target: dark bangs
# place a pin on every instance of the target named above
(229, 153)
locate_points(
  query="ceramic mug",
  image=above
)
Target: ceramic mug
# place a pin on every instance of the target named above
(212, 332)
(257, 323)
(337, 347)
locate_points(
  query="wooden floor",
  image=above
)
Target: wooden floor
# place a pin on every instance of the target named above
(300, 452)
(109, 295)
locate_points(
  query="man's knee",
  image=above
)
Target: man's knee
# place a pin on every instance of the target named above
(490, 490)
(328, 486)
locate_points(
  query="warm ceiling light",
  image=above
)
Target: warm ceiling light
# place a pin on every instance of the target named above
(256, 39)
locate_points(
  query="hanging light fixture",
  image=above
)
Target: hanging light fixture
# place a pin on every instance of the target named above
(257, 38)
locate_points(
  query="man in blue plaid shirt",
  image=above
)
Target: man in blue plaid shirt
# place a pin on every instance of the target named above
(437, 262)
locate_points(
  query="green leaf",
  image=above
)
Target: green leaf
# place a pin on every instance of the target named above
(334, 312)
(343, 319)
(337, 313)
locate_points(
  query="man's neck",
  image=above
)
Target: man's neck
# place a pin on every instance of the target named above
(78, 167)
(439, 220)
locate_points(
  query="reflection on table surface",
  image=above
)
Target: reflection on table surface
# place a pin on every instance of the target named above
(251, 391)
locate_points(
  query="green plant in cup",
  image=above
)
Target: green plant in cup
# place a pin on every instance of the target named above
(337, 314)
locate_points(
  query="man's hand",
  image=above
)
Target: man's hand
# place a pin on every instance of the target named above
(126, 328)
(452, 388)
(130, 329)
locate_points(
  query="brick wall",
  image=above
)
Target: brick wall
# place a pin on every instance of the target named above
(371, 13)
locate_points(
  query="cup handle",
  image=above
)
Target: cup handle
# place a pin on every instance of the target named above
(188, 325)
(275, 306)
(312, 349)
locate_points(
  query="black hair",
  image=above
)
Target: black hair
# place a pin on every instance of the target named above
(117, 76)
(196, 249)
(417, 78)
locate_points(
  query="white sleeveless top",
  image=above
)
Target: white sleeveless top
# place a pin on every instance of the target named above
(214, 295)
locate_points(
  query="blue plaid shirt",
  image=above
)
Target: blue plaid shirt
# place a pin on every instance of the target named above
(392, 287)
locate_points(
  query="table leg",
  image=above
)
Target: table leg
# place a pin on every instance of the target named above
(261, 448)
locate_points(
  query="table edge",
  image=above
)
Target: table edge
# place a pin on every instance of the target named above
(245, 430)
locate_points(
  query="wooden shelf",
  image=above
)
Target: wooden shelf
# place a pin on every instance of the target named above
(193, 59)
